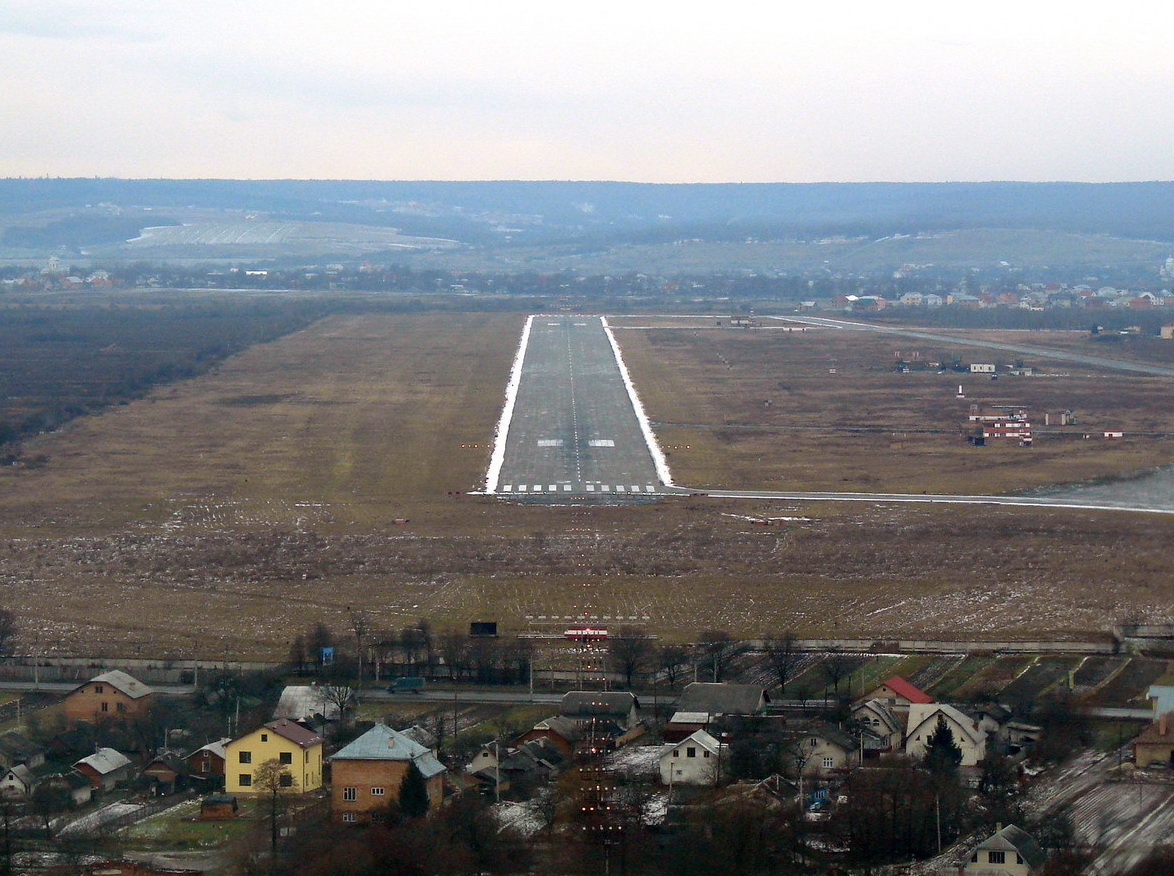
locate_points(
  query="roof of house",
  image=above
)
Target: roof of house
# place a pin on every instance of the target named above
(416, 733)
(72, 779)
(689, 718)
(723, 699)
(171, 761)
(882, 710)
(300, 702)
(1157, 733)
(586, 704)
(123, 683)
(1013, 839)
(104, 761)
(295, 733)
(564, 727)
(22, 774)
(383, 743)
(697, 737)
(216, 748)
(828, 732)
(906, 690)
(922, 713)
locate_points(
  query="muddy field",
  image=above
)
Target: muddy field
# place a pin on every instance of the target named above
(226, 513)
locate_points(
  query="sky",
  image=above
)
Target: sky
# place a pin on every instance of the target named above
(640, 91)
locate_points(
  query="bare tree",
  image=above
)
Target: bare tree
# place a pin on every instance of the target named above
(360, 627)
(783, 658)
(717, 648)
(630, 653)
(671, 659)
(273, 781)
(8, 629)
(837, 666)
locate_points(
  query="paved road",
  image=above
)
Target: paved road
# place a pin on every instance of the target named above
(574, 431)
(1071, 502)
(1042, 352)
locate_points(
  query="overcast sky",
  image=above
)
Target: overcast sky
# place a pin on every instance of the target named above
(645, 91)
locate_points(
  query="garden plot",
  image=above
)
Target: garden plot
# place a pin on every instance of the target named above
(1129, 686)
(1126, 820)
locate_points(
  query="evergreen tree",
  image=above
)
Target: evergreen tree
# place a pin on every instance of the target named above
(942, 754)
(413, 793)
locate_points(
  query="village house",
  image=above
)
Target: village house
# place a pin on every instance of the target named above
(1155, 745)
(820, 749)
(297, 750)
(79, 788)
(366, 775)
(968, 734)
(17, 783)
(585, 707)
(1007, 852)
(208, 760)
(564, 733)
(16, 750)
(694, 761)
(897, 693)
(113, 694)
(166, 773)
(883, 722)
(105, 768)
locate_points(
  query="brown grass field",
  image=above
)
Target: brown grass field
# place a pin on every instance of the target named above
(225, 514)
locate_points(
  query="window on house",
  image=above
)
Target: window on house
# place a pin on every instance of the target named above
(690, 751)
(246, 779)
(349, 794)
(246, 757)
(105, 707)
(264, 737)
(996, 857)
(1018, 858)
(349, 817)
(285, 780)
(707, 753)
(813, 742)
(285, 757)
(376, 792)
(676, 752)
(121, 707)
(828, 763)
(99, 689)
(205, 766)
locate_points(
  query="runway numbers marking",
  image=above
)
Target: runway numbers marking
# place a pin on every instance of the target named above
(601, 442)
(550, 442)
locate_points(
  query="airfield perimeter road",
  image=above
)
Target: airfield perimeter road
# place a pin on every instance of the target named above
(1042, 352)
(574, 431)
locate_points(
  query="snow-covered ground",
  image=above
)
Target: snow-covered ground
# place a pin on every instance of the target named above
(99, 817)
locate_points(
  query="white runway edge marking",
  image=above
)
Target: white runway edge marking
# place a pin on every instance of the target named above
(662, 466)
(497, 460)
(550, 442)
(601, 442)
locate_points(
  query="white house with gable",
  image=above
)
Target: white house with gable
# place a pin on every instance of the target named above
(923, 720)
(696, 760)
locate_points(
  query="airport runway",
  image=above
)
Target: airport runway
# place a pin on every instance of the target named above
(574, 432)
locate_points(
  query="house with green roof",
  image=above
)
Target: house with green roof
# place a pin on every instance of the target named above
(366, 775)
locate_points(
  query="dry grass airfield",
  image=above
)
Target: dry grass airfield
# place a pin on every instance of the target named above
(225, 514)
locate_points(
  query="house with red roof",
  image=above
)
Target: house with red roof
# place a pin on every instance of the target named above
(897, 693)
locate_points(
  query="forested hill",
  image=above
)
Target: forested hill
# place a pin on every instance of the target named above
(638, 211)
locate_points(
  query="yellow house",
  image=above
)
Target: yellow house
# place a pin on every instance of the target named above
(297, 750)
